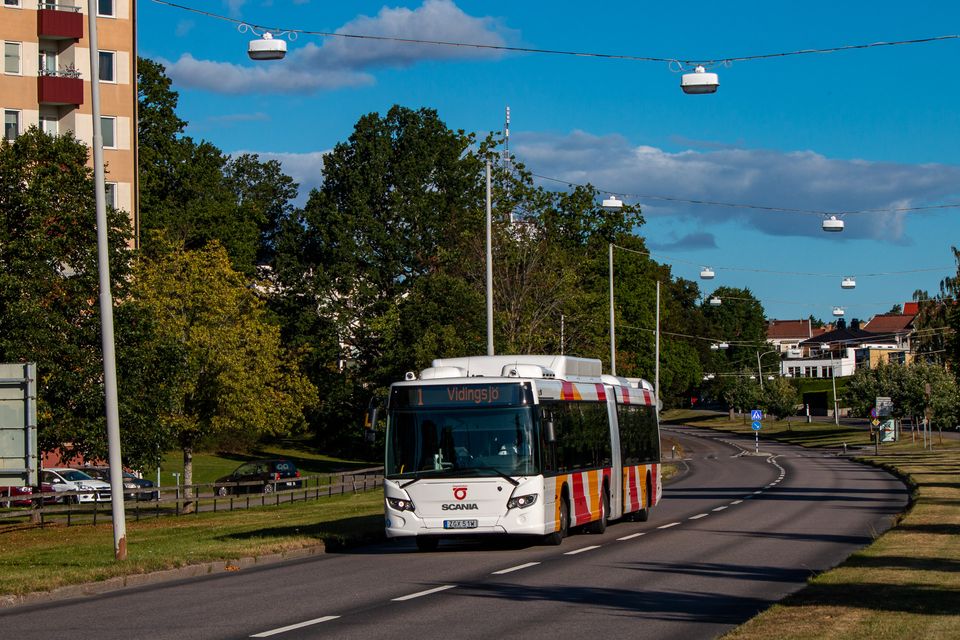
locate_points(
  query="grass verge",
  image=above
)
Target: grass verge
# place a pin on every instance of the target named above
(907, 583)
(35, 559)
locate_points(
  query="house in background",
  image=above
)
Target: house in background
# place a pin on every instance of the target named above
(786, 335)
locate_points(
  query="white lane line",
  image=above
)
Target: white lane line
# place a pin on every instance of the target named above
(667, 526)
(516, 568)
(698, 516)
(721, 508)
(758, 491)
(632, 536)
(576, 551)
(299, 625)
(424, 593)
(736, 502)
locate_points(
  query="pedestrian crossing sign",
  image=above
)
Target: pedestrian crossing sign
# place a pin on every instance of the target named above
(756, 414)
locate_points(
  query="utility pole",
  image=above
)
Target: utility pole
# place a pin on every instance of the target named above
(656, 366)
(106, 302)
(489, 263)
(613, 333)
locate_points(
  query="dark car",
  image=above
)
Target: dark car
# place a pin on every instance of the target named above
(260, 476)
(134, 487)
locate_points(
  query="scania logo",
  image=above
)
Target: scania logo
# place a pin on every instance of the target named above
(460, 506)
(459, 493)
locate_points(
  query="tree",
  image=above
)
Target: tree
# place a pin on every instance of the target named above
(227, 376)
(49, 311)
(780, 398)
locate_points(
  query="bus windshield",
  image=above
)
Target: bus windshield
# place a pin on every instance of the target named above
(455, 442)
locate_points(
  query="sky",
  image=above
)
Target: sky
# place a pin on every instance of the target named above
(861, 129)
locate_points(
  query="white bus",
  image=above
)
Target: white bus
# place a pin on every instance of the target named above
(518, 445)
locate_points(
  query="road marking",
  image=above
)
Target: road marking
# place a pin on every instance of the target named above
(736, 502)
(721, 508)
(698, 516)
(576, 551)
(632, 536)
(299, 625)
(667, 526)
(758, 491)
(424, 593)
(516, 568)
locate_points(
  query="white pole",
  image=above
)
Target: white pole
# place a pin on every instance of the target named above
(656, 366)
(613, 333)
(489, 264)
(106, 303)
(759, 371)
(561, 334)
(833, 380)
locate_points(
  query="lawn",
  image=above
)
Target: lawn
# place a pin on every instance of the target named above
(907, 583)
(35, 559)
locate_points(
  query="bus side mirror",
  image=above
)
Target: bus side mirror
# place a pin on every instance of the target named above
(549, 434)
(370, 424)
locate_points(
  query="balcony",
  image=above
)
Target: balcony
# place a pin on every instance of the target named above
(59, 88)
(59, 22)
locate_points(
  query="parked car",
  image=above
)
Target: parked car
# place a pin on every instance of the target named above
(73, 480)
(131, 482)
(10, 492)
(263, 475)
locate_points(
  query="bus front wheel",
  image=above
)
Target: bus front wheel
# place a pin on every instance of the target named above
(557, 537)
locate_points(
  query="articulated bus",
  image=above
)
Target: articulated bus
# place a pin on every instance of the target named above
(518, 445)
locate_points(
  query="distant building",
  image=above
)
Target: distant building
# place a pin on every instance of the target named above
(786, 335)
(45, 81)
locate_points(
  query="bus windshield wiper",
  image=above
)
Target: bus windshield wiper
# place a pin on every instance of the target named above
(498, 472)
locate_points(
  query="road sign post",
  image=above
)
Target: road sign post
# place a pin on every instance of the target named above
(756, 416)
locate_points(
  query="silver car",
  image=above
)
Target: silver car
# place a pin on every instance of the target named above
(82, 487)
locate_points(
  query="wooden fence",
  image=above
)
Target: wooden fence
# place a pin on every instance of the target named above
(83, 507)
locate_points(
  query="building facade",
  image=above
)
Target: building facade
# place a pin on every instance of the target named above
(45, 81)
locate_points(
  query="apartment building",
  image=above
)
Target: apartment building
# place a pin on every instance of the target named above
(45, 81)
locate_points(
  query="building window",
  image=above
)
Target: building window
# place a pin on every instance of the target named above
(11, 124)
(110, 190)
(11, 57)
(827, 372)
(48, 124)
(107, 68)
(108, 129)
(47, 63)
(11, 3)
(104, 7)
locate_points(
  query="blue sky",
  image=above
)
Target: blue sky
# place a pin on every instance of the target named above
(875, 128)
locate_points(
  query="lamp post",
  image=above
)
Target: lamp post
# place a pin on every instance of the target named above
(489, 264)
(759, 369)
(106, 303)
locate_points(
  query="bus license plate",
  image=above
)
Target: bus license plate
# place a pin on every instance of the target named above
(460, 524)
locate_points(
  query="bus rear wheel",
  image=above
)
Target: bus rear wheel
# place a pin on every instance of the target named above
(557, 537)
(600, 525)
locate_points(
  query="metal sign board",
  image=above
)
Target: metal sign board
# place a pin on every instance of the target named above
(18, 424)
(756, 414)
(884, 406)
(756, 425)
(875, 422)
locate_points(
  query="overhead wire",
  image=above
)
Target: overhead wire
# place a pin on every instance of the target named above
(563, 52)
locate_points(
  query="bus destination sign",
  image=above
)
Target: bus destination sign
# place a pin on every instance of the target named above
(461, 395)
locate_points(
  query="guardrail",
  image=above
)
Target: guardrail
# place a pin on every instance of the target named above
(154, 502)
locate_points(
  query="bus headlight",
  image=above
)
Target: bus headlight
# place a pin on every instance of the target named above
(521, 502)
(400, 504)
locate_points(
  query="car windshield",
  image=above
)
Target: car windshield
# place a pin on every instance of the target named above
(461, 442)
(74, 476)
(284, 467)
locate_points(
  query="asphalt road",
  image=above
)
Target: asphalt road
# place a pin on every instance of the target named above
(735, 533)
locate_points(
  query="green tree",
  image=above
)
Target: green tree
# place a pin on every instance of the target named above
(227, 376)
(49, 311)
(780, 398)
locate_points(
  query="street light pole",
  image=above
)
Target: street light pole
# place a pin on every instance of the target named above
(489, 264)
(613, 334)
(833, 380)
(106, 302)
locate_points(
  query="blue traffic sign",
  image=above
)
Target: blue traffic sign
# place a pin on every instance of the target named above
(756, 414)
(756, 425)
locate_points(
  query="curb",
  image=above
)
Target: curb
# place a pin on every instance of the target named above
(157, 577)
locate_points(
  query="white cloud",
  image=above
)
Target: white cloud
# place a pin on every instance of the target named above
(342, 62)
(792, 179)
(306, 169)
